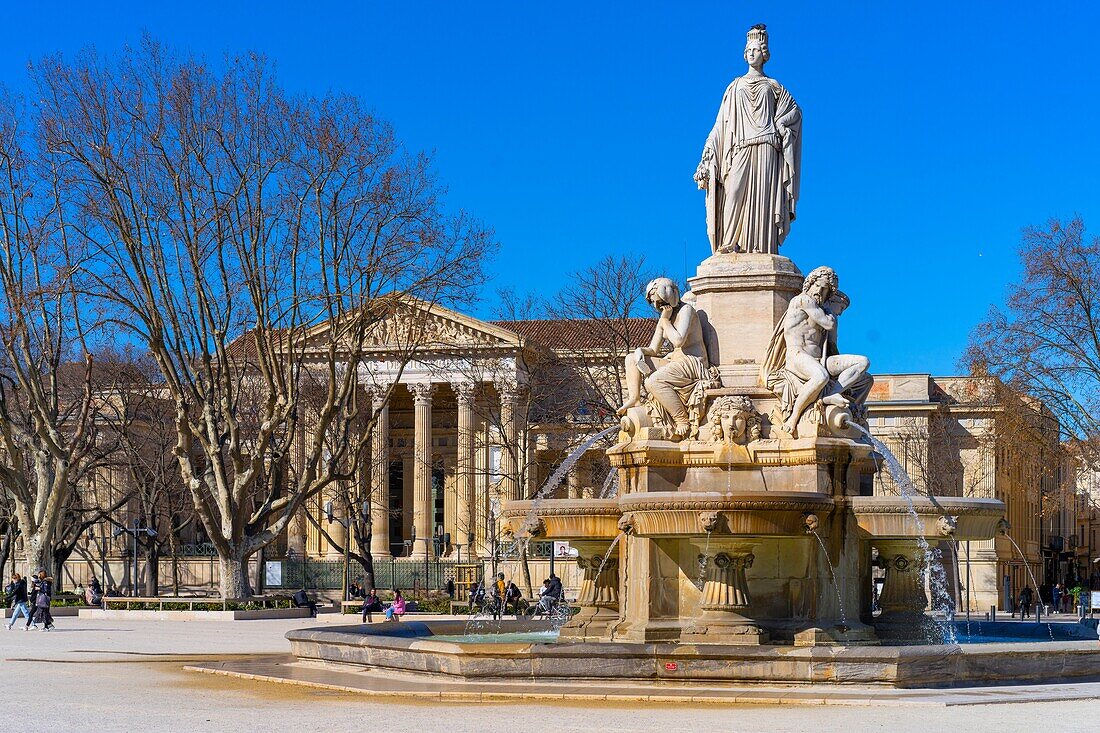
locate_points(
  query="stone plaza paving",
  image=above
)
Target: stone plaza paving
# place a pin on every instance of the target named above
(115, 675)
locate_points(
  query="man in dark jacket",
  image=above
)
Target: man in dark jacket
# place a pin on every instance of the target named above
(17, 598)
(301, 600)
(42, 595)
(1026, 596)
(556, 590)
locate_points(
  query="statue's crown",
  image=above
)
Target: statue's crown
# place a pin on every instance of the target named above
(758, 33)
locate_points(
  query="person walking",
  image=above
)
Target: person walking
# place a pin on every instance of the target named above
(43, 595)
(1056, 597)
(17, 598)
(1026, 596)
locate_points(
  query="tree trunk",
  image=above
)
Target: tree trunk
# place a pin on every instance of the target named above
(172, 547)
(39, 554)
(233, 578)
(152, 569)
(525, 567)
(5, 551)
(60, 557)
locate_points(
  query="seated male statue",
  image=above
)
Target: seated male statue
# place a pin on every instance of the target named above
(803, 363)
(676, 382)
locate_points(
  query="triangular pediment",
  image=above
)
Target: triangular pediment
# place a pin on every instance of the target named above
(430, 327)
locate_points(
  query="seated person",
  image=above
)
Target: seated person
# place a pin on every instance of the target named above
(301, 600)
(547, 598)
(371, 604)
(396, 609)
(513, 598)
(476, 599)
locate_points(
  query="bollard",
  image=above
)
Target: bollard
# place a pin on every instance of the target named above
(1038, 612)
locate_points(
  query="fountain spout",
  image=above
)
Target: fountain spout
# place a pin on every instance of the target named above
(812, 523)
(947, 525)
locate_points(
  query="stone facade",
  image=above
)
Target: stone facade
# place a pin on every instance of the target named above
(965, 436)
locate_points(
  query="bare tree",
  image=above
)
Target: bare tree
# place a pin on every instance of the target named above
(257, 244)
(46, 402)
(1045, 340)
(607, 299)
(142, 428)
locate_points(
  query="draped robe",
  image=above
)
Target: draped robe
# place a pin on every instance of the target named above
(753, 160)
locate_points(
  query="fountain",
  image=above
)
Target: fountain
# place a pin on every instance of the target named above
(738, 545)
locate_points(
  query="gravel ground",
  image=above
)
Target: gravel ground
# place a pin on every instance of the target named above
(116, 676)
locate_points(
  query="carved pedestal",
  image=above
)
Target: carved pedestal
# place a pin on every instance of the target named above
(903, 599)
(724, 608)
(599, 591)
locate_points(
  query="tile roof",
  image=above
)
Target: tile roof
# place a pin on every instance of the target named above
(583, 334)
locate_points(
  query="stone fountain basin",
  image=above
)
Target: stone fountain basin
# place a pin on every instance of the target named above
(888, 517)
(390, 650)
(568, 519)
(757, 514)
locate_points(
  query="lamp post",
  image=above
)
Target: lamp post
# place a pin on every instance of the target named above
(100, 541)
(346, 523)
(134, 531)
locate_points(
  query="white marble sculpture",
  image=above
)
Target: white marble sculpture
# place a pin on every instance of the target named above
(751, 162)
(803, 363)
(676, 382)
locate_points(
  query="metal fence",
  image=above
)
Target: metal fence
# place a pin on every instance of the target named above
(404, 573)
(536, 549)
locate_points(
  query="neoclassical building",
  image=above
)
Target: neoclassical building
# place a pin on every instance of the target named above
(486, 414)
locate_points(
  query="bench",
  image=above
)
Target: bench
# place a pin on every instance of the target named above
(356, 606)
(189, 604)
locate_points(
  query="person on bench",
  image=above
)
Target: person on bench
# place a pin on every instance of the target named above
(514, 598)
(371, 604)
(547, 600)
(397, 608)
(301, 600)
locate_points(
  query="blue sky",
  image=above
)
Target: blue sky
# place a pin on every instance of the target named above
(933, 132)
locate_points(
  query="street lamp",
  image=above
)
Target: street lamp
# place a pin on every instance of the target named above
(346, 523)
(101, 540)
(134, 531)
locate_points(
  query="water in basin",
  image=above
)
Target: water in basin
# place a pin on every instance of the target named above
(512, 637)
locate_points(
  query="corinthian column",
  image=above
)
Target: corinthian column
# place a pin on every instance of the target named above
(512, 455)
(380, 476)
(422, 466)
(465, 393)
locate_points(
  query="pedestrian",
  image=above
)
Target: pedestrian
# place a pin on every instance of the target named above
(17, 598)
(397, 608)
(450, 587)
(1025, 602)
(1056, 597)
(43, 595)
(371, 604)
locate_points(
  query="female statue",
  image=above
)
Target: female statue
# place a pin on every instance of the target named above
(752, 160)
